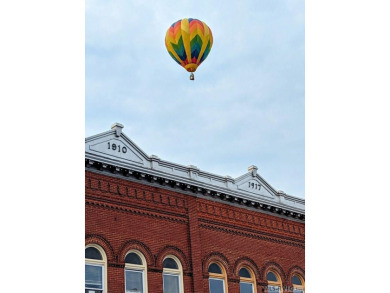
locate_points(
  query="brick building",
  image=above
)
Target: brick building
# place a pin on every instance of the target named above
(156, 226)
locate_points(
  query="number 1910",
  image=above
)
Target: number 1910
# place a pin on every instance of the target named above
(114, 147)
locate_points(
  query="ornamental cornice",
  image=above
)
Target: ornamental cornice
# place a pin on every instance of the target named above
(222, 226)
(126, 194)
(190, 188)
(213, 212)
(112, 152)
(135, 210)
(252, 234)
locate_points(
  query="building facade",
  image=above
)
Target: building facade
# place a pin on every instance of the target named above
(159, 227)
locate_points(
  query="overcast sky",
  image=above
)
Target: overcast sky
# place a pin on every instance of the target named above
(245, 107)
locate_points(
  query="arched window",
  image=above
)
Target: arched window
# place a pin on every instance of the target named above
(172, 275)
(135, 272)
(298, 284)
(95, 269)
(274, 282)
(217, 278)
(247, 281)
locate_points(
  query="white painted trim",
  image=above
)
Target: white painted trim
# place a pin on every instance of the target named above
(103, 263)
(177, 272)
(142, 268)
(191, 175)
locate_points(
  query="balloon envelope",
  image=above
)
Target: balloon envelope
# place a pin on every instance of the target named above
(189, 42)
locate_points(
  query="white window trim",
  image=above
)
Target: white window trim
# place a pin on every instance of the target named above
(102, 268)
(96, 262)
(141, 268)
(143, 278)
(177, 272)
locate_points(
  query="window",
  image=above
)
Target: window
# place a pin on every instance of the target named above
(135, 272)
(247, 281)
(95, 269)
(298, 284)
(217, 279)
(172, 275)
(274, 282)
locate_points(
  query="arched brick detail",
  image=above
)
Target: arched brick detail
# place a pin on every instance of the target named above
(216, 257)
(103, 243)
(137, 245)
(172, 250)
(246, 261)
(295, 270)
(275, 267)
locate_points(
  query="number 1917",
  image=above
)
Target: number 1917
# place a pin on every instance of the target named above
(254, 185)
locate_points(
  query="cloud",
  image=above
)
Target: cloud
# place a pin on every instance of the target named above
(246, 105)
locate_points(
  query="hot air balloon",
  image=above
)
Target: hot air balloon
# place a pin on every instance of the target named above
(189, 42)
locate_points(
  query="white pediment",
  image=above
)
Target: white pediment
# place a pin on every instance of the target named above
(116, 146)
(254, 184)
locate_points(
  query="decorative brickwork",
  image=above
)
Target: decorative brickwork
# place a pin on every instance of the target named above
(137, 245)
(123, 215)
(172, 250)
(275, 267)
(158, 216)
(246, 261)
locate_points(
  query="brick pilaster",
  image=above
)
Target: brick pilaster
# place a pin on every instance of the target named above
(195, 246)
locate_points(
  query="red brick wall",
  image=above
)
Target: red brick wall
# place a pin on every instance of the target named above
(123, 215)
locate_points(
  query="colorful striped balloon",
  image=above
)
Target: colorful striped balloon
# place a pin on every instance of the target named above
(189, 42)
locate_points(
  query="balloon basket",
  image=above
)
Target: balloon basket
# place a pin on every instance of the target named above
(192, 76)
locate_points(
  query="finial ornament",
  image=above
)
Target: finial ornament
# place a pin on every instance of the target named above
(118, 128)
(253, 169)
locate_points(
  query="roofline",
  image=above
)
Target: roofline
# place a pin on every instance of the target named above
(259, 193)
(194, 187)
